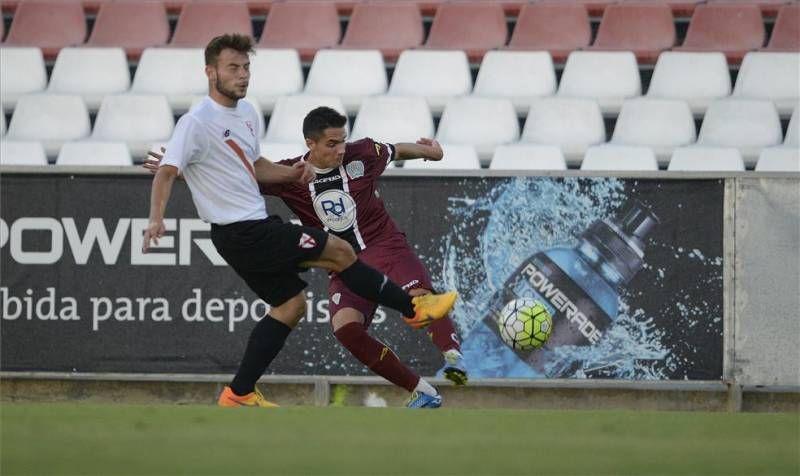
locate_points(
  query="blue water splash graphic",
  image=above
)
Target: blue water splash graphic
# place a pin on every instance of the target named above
(519, 217)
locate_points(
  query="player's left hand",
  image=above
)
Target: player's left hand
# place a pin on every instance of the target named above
(153, 160)
(435, 152)
(155, 230)
(307, 173)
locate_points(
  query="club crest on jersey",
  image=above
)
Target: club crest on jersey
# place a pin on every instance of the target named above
(355, 169)
(306, 242)
(335, 209)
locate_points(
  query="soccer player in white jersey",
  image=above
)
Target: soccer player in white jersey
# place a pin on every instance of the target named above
(216, 149)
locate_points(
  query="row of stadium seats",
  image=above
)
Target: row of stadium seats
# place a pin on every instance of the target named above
(680, 8)
(352, 75)
(646, 28)
(613, 157)
(605, 157)
(573, 124)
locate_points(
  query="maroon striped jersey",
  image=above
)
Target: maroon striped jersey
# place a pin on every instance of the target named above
(344, 200)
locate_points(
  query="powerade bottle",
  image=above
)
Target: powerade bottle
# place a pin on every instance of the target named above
(580, 286)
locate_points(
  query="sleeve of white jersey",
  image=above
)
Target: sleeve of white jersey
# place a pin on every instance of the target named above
(187, 145)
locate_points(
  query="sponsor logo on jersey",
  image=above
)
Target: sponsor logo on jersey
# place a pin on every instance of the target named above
(249, 125)
(355, 169)
(336, 297)
(306, 241)
(227, 133)
(410, 284)
(332, 178)
(336, 209)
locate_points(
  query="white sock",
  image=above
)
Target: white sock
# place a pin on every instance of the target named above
(425, 387)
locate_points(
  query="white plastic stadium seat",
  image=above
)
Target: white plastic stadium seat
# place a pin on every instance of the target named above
(456, 157)
(748, 125)
(619, 157)
(661, 124)
(351, 75)
(136, 119)
(177, 73)
(697, 78)
(435, 75)
(94, 153)
(771, 76)
(50, 119)
(716, 159)
(91, 73)
(22, 71)
(519, 76)
(22, 153)
(393, 119)
(608, 77)
(481, 122)
(793, 132)
(779, 159)
(528, 157)
(286, 122)
(279, 151)
(274, 73)
(572, 124)
(253, 102)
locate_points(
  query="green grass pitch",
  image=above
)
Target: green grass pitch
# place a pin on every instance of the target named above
(108, 439)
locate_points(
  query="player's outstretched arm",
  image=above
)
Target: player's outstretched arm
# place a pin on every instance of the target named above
(159, 196)
(428, 149)
(269, 172)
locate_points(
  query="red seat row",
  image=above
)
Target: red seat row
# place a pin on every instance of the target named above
(428, 7)
(647, 28)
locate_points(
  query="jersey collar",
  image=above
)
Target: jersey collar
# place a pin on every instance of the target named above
(317, 169)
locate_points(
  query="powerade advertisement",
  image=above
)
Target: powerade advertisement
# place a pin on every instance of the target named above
(629, 269)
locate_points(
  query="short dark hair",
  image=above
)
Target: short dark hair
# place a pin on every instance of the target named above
(234, 41)
(319, 119)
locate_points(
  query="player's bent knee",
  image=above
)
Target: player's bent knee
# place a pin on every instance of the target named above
(291, 311)
(339, 252)
(346, 316)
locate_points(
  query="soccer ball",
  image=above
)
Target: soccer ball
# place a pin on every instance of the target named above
(525, 324)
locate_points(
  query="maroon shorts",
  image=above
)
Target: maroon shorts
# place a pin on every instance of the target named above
(398, 262)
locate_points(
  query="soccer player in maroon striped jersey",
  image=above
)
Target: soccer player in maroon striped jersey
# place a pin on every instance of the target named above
(344, 201)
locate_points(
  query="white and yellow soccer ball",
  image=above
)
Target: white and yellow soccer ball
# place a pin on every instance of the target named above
(525, 324)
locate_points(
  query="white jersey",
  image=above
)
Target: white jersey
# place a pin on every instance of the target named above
(214, 147)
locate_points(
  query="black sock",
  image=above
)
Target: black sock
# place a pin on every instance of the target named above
(265, 342)
(371, 284)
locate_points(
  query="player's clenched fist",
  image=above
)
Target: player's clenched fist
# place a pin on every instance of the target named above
(307, 174)
(432, 151)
